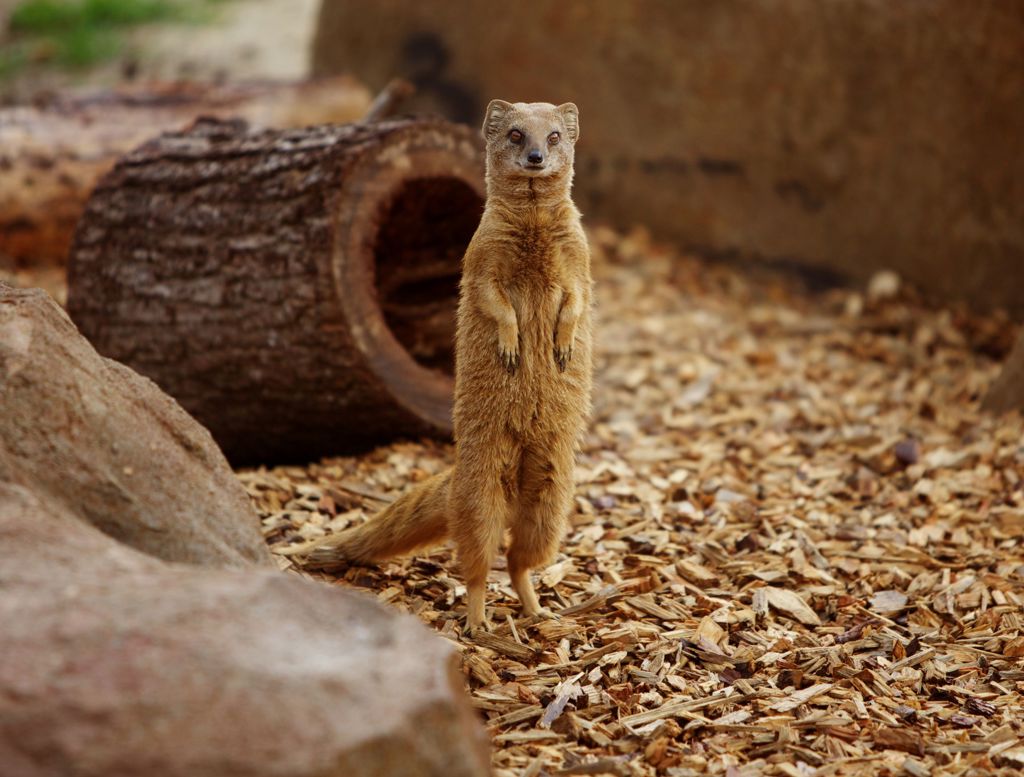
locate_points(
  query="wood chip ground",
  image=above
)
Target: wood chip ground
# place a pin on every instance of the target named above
(796, 550)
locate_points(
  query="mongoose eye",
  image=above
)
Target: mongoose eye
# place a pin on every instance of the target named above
(553, 139)
(516, 137)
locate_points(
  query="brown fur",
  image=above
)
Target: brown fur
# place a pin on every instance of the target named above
(522, 377)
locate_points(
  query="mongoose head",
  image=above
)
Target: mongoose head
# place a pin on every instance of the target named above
(530, 140)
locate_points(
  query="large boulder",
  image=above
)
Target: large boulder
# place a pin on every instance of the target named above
(111, 447)
(849, 135)
(115, 663)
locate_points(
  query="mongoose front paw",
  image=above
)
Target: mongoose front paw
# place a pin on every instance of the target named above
(509, 359)
(508, 347)
(562, 356)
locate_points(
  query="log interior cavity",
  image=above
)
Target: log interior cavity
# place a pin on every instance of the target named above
(423, 231)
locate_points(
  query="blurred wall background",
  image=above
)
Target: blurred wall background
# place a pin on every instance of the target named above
(844, 135)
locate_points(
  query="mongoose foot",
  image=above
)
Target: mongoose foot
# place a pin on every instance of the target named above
(544, 614)
(509, 359)
(562, 357)
(471, 630)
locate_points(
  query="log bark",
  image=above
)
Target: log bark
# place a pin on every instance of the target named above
(1007, 393)
(52, 154)
(295, 290)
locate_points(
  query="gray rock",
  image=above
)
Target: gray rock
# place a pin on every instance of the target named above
(116, 663)
(112, 447)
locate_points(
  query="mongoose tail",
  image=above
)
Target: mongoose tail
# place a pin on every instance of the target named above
(414, 520)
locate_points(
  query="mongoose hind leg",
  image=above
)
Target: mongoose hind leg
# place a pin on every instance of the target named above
(539, 523)
(478, 521)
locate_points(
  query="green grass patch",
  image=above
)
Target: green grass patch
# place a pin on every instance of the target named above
(12, 59)
(57, 16)
(76, 34)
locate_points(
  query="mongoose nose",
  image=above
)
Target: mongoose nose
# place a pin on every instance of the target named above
(535, 157)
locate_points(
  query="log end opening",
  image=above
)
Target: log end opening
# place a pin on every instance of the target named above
(409, 233)
(423, 233)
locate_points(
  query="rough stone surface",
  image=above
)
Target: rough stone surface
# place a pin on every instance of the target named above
(109, 445)
(849, 136)
(115, 663)
(1007, 393)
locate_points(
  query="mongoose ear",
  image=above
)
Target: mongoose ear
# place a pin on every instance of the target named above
(496, 110)
(571, 117)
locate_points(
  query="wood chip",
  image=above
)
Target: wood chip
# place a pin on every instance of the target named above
(797, 698)
(567, 691)
(505, 646)
(696, 573)
(789, 603)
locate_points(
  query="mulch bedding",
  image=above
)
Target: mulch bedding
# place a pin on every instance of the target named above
(796, 549)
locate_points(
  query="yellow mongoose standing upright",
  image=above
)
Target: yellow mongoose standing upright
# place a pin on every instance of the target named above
(522, 371)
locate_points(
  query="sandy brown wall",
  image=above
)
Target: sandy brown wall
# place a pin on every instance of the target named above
(845, 134)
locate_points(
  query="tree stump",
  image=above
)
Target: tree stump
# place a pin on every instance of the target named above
(295, 290)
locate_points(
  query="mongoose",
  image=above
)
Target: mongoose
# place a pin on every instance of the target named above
(522, 371)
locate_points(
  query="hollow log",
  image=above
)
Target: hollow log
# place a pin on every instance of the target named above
(52, 154)
(295, 290)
